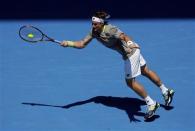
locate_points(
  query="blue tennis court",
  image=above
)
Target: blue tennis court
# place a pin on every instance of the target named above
(89, 83)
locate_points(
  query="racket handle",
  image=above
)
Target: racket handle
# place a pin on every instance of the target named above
(57, 41)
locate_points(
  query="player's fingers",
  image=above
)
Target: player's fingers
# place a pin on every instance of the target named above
(64, 43)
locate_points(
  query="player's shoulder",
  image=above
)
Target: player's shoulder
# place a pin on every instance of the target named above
(109, 28)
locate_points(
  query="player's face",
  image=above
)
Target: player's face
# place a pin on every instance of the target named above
(97, 26)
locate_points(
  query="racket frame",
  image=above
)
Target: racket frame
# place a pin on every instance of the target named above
(42, 38)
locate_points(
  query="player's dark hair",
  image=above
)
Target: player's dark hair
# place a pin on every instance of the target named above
(103, 15)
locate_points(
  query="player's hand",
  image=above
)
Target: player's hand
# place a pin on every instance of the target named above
(64, 43)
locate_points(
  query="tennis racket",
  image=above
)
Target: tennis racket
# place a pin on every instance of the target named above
(33, 34)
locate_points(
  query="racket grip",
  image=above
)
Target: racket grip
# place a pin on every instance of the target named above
(57, 41)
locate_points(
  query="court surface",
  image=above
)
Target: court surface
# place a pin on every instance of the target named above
(89, 83)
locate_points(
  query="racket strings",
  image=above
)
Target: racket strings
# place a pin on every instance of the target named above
(31, 34)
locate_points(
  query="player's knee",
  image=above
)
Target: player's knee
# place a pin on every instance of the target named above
(144, 70)
(130, 81)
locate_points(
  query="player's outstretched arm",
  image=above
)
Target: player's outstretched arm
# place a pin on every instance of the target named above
(77, 44)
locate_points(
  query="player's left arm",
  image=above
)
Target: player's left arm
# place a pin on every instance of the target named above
(124, 37)
(128, 40)
(117, 33)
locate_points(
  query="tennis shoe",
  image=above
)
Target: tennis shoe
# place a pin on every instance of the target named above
(151, 110)
(168, 96)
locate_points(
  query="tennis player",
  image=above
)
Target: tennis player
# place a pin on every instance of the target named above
(135, 65)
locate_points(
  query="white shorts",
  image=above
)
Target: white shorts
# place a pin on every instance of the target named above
(133, 65)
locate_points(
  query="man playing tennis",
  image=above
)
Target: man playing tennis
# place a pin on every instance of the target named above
(113, 38)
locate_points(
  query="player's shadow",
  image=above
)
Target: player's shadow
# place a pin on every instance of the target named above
(132, 106)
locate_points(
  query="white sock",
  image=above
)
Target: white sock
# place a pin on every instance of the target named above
(149, 101)
(163, 88)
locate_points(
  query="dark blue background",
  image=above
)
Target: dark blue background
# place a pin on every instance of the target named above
(81, 9)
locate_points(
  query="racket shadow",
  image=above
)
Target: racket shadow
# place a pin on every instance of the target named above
(132, 106)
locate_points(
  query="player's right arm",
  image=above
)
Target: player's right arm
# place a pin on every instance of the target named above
(77, 44)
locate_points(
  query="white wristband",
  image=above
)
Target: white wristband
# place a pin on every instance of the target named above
(129, 43)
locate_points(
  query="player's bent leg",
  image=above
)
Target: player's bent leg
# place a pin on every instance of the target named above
(151, 75)
(167, 93)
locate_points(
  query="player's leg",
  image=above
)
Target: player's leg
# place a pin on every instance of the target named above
(137, 87)
(167, 93)
(133, 69)
(151, 75)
